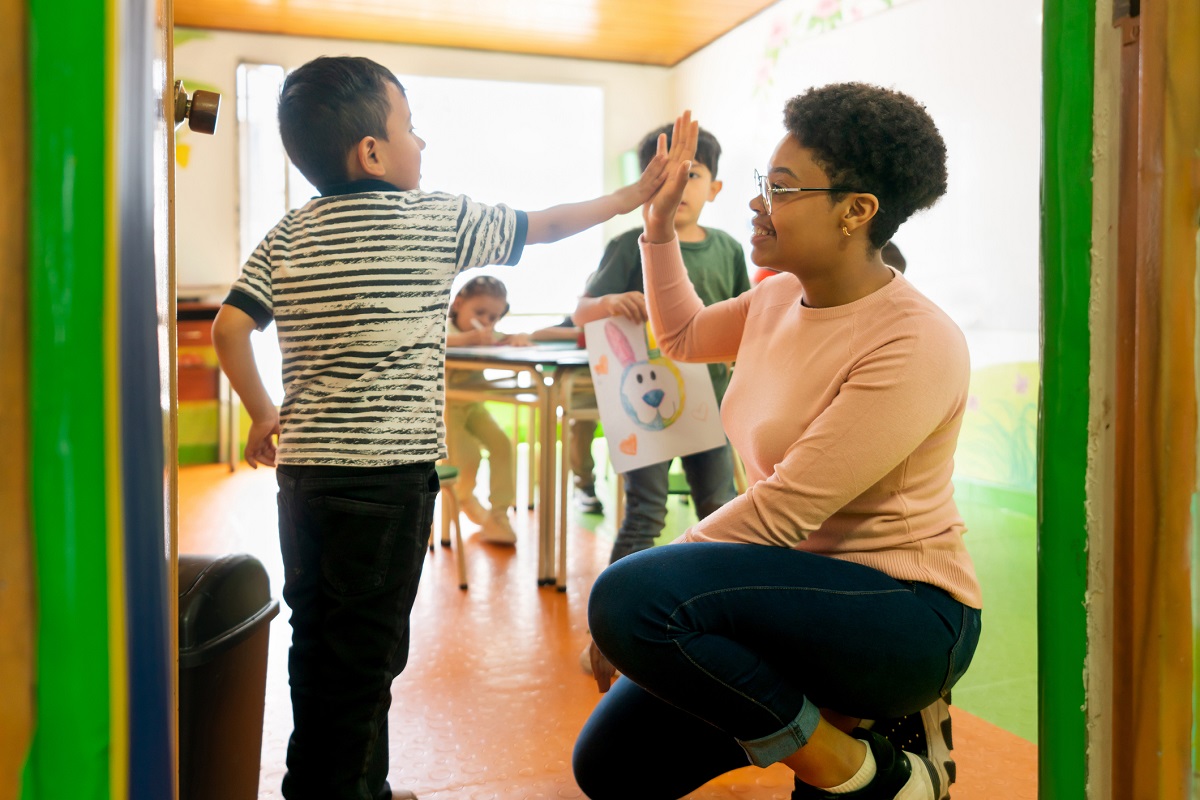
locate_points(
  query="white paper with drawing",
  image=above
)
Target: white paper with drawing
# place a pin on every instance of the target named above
(653, 409)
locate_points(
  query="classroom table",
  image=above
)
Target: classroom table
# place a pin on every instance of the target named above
(547, 363)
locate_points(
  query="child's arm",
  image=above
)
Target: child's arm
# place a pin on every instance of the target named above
(559, 222)
(631, 305)
(555, 333)
(231, 340)
(516, 339)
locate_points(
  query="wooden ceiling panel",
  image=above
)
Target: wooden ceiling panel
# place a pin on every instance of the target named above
(658, 32)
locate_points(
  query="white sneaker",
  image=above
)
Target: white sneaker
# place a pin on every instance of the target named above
(497, 529)
(927, 733)
(473, 509)
(900, 775)
(922, 784)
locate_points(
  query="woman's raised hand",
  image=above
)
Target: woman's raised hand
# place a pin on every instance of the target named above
(659, 212)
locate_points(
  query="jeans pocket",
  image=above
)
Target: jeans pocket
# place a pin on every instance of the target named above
(964, 649)
(358, 538)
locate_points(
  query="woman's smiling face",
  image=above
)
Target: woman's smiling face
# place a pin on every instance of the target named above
(803, 229)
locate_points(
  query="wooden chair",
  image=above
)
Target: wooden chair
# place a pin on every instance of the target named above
(576, 402)
(451, 518)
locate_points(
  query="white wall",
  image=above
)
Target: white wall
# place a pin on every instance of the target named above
(636, 100)
(976, 65)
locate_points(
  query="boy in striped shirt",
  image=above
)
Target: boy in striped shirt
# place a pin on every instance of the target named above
(358, 283)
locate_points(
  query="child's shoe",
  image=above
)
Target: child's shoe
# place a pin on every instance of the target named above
(473, 509)
(497, 529)
(586, 500)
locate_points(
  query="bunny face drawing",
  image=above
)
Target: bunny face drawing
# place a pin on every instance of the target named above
(651, 388)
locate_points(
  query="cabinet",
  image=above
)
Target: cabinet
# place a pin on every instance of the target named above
(201, 391)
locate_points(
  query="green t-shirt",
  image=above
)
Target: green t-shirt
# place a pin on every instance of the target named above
(716, 267)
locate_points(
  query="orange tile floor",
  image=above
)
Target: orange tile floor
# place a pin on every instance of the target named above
(493, 695)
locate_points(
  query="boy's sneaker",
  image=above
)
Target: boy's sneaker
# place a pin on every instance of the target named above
(586, 500)
(473, 509)
(926, 733)
(497, 529)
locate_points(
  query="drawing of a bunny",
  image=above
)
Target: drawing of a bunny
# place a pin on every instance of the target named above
(651, 388)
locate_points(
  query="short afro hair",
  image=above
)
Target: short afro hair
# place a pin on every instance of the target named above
(708, 149)
(875, 140)
(326, 107)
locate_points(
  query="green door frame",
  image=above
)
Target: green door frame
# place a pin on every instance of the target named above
(1068, 56)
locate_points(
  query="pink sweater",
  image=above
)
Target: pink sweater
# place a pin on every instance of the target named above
(846, 418)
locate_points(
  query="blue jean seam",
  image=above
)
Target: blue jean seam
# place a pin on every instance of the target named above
(953, 660)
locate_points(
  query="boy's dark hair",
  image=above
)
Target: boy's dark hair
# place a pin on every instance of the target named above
(326, 107)
(893, 257)
(873, 140)
(708, 149)
(481, 285)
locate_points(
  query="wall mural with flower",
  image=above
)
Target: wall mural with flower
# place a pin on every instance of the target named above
(810, 19)
(998, 442)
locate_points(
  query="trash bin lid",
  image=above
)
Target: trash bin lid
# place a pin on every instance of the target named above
(222, 600)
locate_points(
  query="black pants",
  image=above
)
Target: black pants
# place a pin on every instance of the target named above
(353, 541)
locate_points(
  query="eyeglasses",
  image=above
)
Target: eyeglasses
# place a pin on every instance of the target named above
(765, 189)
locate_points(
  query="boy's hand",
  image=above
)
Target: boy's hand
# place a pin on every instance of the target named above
(659, 213)
(260, 444)
(635, 194)
(631, 305)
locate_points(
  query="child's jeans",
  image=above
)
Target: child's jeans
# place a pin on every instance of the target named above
(353, 541)
(710, 479)
(729, 650)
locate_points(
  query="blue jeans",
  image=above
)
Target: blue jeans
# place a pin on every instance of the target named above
(729, 650)
(353, 542)
(710, 479)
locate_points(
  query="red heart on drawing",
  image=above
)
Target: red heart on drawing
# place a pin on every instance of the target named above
(628, 446)
(601, 367)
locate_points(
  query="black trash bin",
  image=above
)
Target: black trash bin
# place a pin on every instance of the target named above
(225, 610)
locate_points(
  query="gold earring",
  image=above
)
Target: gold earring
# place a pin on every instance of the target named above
(845, 231)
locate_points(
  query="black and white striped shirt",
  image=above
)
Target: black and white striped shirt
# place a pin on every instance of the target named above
(358, 284)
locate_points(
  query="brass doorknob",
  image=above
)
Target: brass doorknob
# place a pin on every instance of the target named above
(200, 110)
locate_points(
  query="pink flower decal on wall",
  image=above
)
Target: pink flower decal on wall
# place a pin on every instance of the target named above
(813, 18)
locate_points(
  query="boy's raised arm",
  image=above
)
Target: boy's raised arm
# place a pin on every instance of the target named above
(231, 340)
(559, 222)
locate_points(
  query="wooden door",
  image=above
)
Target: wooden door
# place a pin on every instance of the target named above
(16, 566)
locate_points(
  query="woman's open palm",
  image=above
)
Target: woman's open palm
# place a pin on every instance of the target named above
(660, 209)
